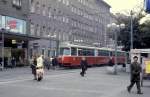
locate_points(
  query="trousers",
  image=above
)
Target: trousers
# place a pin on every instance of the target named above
(137, 85)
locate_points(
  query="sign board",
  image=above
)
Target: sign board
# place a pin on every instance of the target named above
(147, 5)
(147, 66)
(13, 24)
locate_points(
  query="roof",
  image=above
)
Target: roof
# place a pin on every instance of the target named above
(105, 3)
(88, 47)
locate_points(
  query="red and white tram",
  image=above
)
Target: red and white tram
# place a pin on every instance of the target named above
(70, 55)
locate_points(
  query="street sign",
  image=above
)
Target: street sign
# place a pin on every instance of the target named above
(147, 6)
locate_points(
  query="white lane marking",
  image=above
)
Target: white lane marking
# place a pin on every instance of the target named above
(27, 79)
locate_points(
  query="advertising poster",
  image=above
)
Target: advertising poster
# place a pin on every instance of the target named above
(147, 66)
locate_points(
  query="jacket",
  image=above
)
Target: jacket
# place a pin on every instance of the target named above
(135, 71)
(40, 62)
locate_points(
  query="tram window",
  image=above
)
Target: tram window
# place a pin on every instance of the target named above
(110, 53)
(85, 52)
(73, 51)
(91, 52)
(113, 53)
(103, 53)
(80, 52)
(88, 52)
(64, 51)
(120, 53)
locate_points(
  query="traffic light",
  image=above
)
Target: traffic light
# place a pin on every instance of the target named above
(147, 6)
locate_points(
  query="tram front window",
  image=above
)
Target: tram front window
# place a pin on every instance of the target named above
(64, 51)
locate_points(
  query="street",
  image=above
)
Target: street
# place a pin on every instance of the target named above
(67, 83)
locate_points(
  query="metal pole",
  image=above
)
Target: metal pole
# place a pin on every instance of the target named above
(2, 49)
(115, 72)
(131, 46)
(50, 47)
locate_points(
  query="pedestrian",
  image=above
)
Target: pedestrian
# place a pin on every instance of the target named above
(110, 62)
(47, 63)
(13, 62)
(135, 75)
(54, 62)
(33, 63)
(40, 68)
(84, 65)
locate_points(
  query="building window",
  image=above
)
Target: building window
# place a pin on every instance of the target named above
(49, 12)
(32, 30)
(44, 10)
(17, 3)
(32, 8)
(37, 7)
(42, 31)
(38, 30)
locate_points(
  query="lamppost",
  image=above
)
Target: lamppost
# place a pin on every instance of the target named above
(131, 21)
(50, 38)
(115, 29)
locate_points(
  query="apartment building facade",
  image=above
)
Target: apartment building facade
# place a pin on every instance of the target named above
(81, 22)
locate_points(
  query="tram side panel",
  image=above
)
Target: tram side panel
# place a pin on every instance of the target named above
(68, 61)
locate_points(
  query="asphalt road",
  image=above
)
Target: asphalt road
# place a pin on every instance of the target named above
(67, 83)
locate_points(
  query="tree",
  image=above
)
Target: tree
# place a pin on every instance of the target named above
(145, 34)
(141, 33)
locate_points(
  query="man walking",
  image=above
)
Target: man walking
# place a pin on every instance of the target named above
(54, 62)
(83, 66)
(135, 75)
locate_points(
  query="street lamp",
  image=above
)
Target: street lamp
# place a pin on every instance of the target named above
(131, 21)
(50, 37)
(115, 28)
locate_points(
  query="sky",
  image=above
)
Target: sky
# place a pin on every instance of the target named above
(123, 5)
(126, 5)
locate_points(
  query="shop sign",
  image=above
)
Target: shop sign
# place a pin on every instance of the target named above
(13, 24)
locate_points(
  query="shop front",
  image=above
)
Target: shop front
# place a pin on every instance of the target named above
(13, 42)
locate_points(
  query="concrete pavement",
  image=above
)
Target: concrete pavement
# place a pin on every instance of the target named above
(68, 83)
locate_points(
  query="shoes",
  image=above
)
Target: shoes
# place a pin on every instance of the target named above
(82, 74)
(139, 93)
(128, 89)
(35, 78)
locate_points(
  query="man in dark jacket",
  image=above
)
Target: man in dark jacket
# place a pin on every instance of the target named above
(83, 66)
(33, 66)
(54, 63)
(135, 75)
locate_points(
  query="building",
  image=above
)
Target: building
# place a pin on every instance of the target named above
(76, 21)
(14, 30)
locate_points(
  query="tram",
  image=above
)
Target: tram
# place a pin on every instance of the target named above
(70, 55)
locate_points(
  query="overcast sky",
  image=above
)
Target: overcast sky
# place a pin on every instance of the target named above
(121, 5)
